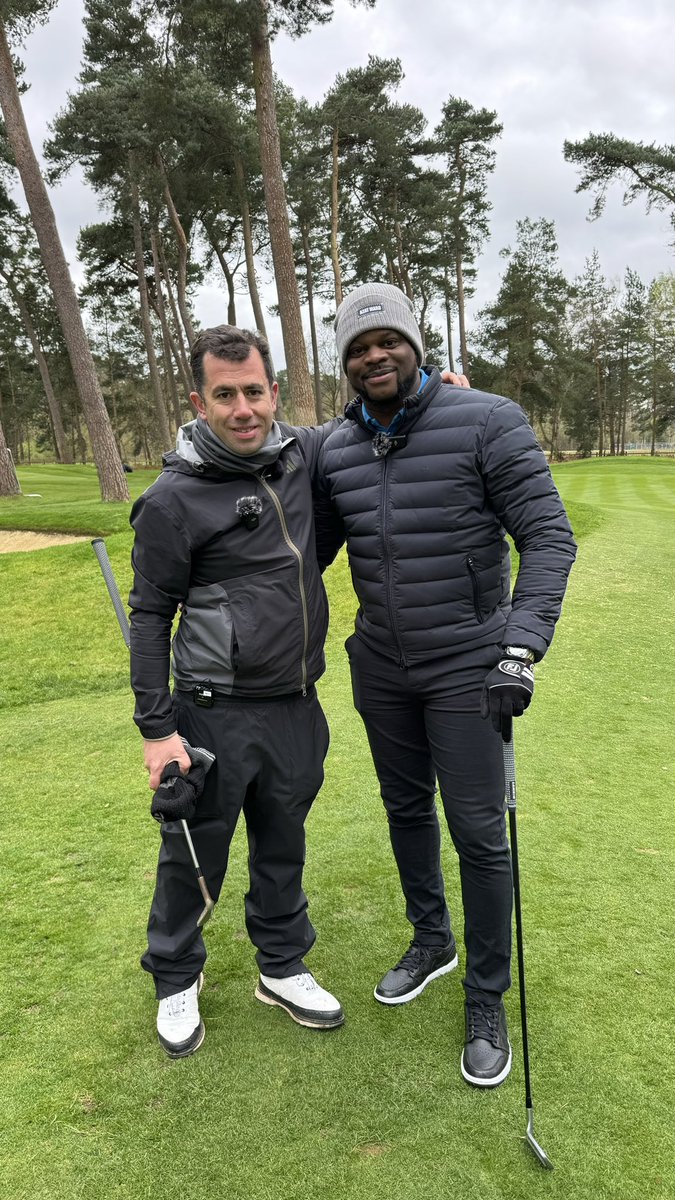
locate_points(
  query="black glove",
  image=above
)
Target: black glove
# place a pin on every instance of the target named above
(177, 795)
(507, 692)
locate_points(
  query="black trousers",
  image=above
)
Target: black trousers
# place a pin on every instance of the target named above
(269, 763)
(424, 723)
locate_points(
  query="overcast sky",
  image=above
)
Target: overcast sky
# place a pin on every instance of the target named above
(552, 69)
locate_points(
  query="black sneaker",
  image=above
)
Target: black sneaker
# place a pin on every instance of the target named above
(486, 1057)
(417, 968)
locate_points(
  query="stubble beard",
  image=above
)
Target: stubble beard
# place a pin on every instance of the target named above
(406, 387)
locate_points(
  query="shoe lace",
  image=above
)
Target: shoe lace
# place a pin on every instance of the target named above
(484, 1022)
(308, 982)
(411, 959)
(176, 1004)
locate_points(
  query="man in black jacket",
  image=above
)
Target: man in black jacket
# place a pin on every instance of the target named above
(226, 536)
(422, 480)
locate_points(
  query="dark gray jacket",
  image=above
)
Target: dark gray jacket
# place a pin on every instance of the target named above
(253, 613)
(425, 525)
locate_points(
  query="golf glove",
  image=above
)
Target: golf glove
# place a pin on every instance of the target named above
(177, 795)
(507, 692)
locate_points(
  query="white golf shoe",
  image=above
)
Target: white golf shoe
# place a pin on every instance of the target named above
(179, 1025)
(303, 999)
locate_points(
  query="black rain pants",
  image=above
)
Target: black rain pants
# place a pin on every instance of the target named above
(269, 763)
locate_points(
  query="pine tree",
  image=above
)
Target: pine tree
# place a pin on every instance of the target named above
(464, 137)
(523, 329)
(646, 171)
(19, 17)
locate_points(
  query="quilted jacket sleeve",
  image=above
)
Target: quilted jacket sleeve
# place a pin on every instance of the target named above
(522, 493)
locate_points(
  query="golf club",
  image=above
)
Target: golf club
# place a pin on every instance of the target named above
(510, 782)
(99, 548)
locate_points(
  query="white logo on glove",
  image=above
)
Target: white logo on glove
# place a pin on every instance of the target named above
(510, 668)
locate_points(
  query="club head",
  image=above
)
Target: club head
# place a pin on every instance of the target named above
(534, 1144)
(206, 914)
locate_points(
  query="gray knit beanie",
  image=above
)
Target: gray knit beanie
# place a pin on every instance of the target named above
(375, 306)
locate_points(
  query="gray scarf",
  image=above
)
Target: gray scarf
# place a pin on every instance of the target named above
(197, 443)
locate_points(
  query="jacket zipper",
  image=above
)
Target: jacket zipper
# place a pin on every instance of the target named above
(385, 559)
(301, 576)
(471, 564)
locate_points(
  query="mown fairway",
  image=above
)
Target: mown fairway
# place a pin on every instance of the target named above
(267, 1110)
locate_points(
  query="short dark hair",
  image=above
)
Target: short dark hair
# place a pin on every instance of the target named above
(230, 343)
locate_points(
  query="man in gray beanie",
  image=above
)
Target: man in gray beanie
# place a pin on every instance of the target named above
(422, 479)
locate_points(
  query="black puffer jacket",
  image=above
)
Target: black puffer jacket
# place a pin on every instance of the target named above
(253, 607)
(425, 524)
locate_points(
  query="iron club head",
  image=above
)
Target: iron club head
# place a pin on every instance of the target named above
(209, 902)
(534, 1144)
(209, 905)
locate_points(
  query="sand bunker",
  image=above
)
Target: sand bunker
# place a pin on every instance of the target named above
(26, 539)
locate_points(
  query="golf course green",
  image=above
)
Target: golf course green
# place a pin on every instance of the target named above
(267, 1110)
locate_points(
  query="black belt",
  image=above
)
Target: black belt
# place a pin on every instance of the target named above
(204, 696)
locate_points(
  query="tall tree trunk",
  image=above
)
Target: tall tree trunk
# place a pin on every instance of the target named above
(448, 322)
(229, 277)
(169, 390)
(81, 442)
(652, 449)
(461, 316)
(624, 402)
(611, 427)
(178, 330)
(248, 246)
(403, 269)
(60, 441)
(166, 333)
(334, 248)
(334, 218)
(299, 383)
(555, 433)
(111, 476)
(423, 323)
(17, 443)
(112, 383)
(460, 168)
(182, 253)
(9, 484)
(601, 408)
(163, 431)
(312, 322)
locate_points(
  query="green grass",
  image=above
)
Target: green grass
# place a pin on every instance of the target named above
(91, 1107)
(67, 500)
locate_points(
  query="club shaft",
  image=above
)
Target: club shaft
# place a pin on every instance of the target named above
(519, 950)
(510, 782)
(99, 548)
